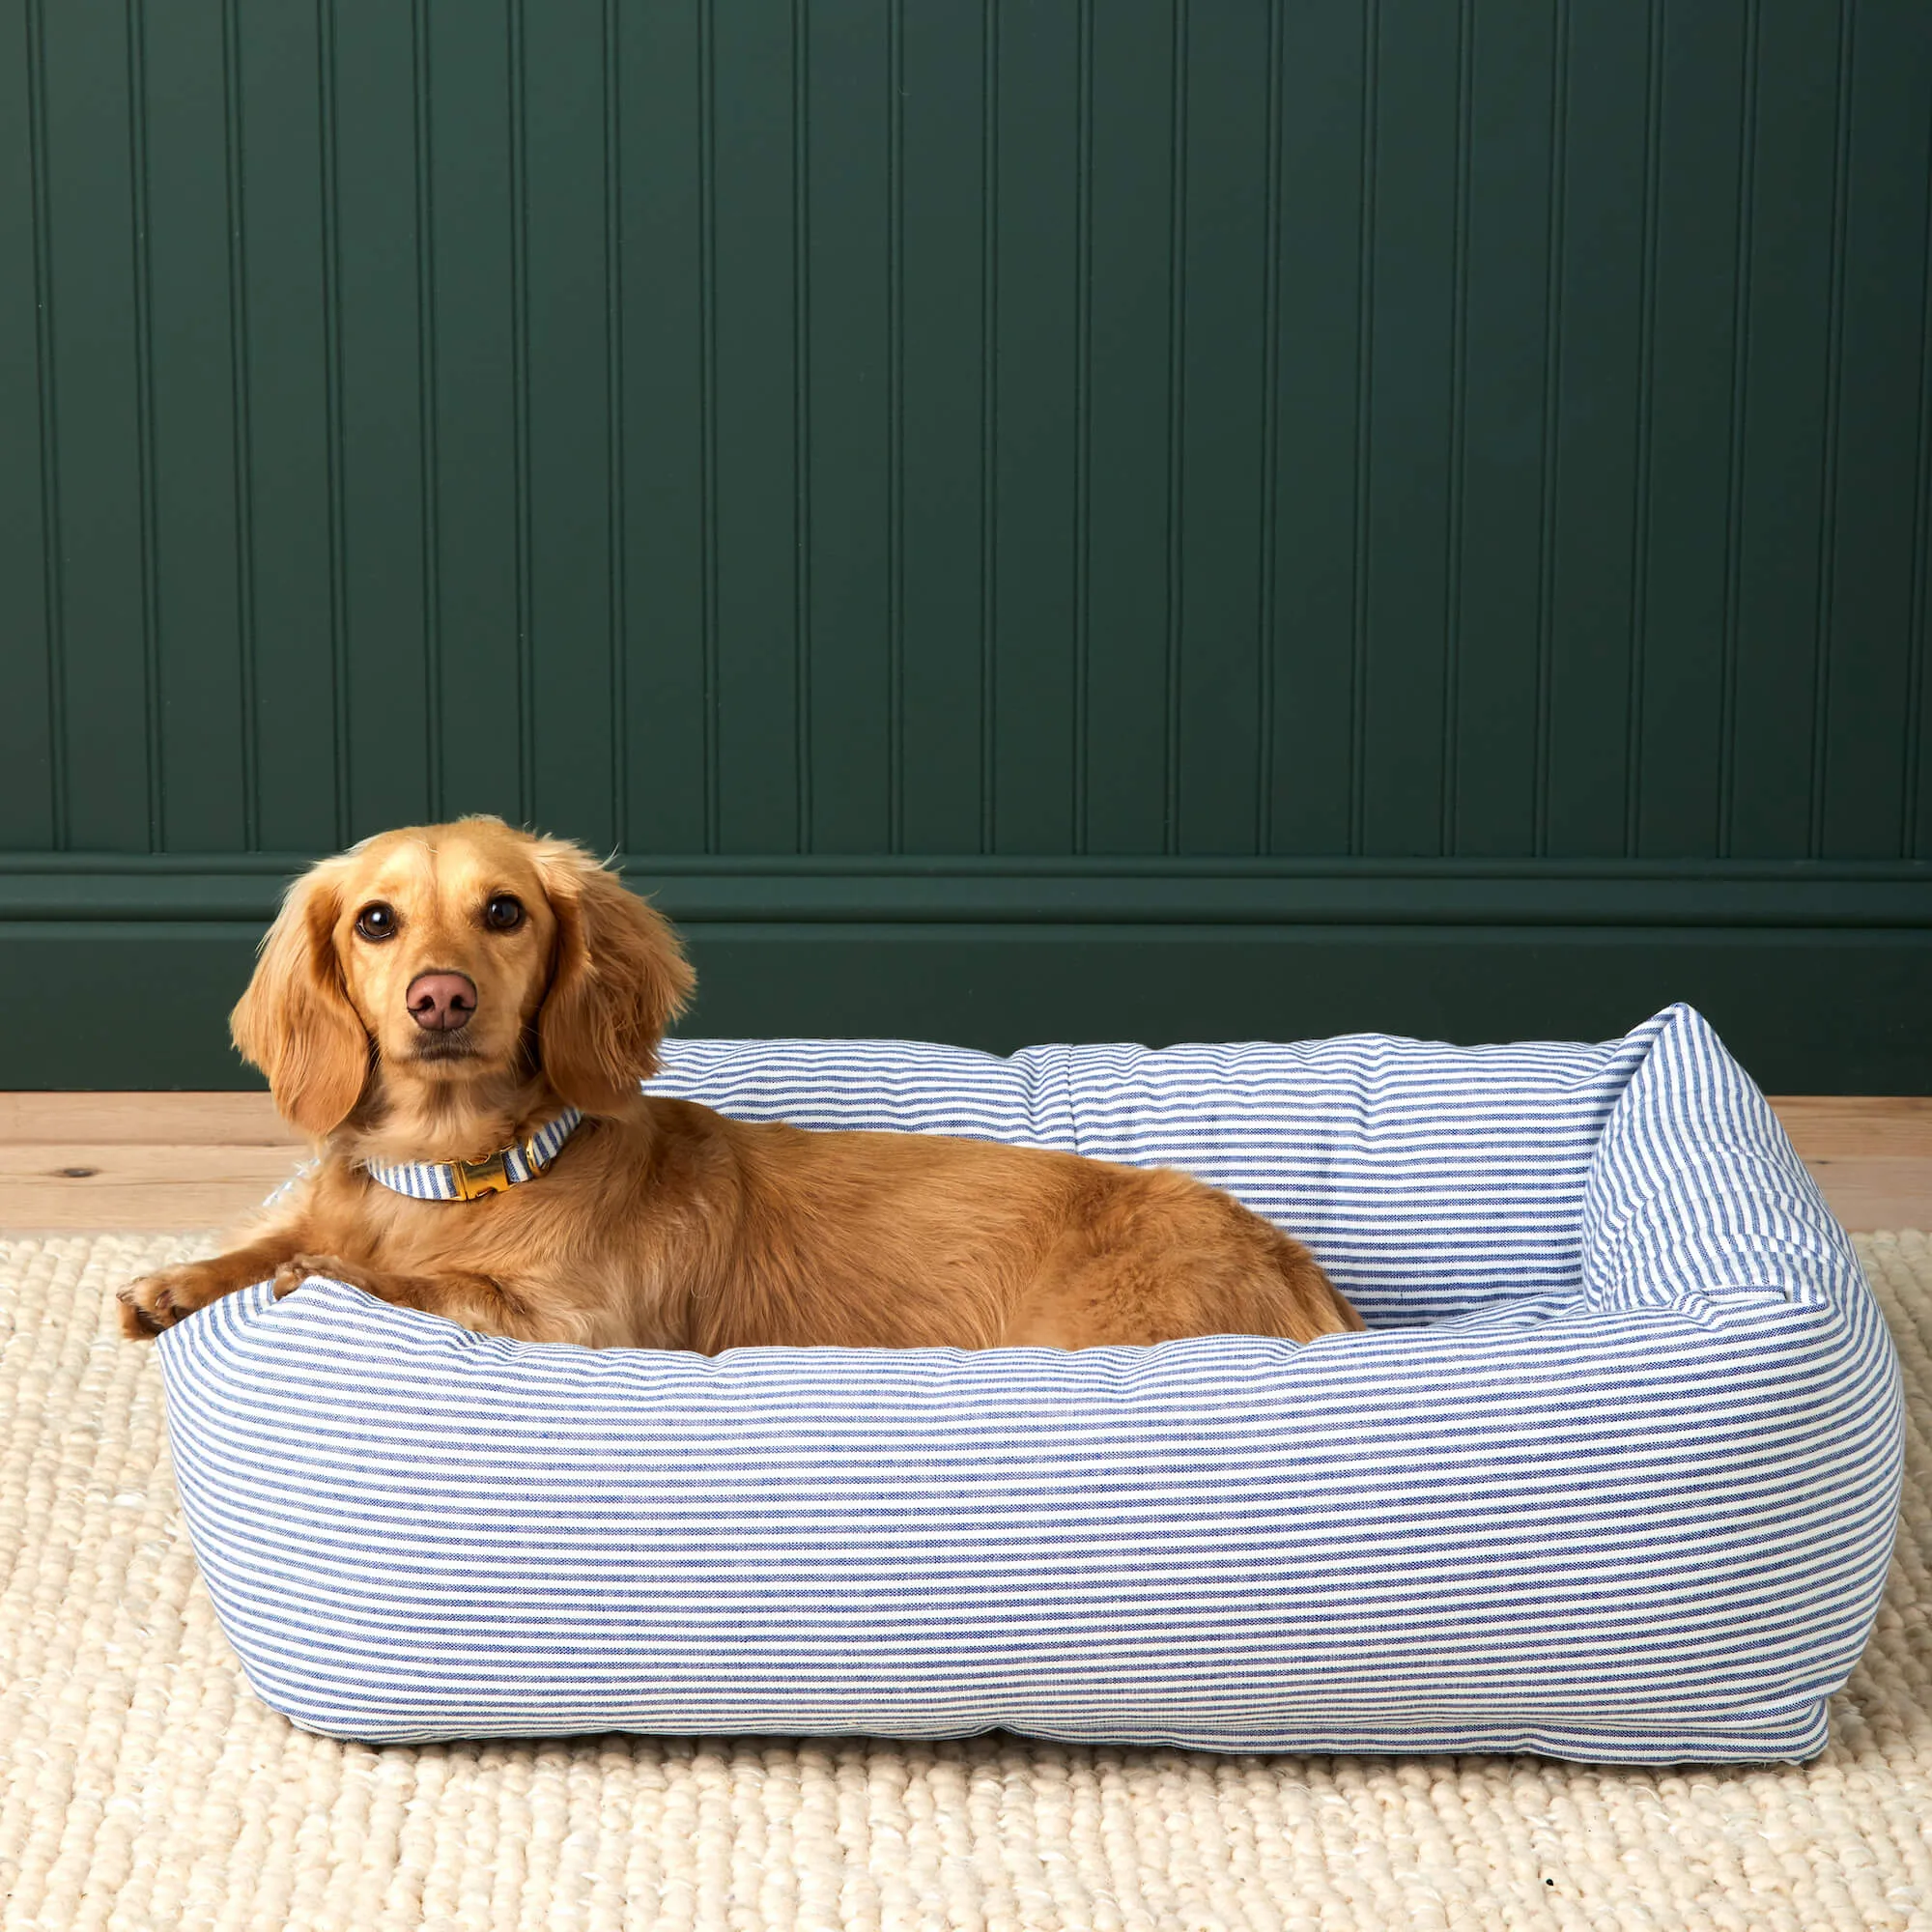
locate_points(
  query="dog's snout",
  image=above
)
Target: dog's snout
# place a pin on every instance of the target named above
(441, 1001)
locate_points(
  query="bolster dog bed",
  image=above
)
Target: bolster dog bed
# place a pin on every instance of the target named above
(1613, 1474)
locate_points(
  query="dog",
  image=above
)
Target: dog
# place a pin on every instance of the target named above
(461, 1016)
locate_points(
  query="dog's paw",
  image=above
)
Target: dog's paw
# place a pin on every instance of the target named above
(298, 1269)
(157, 1301)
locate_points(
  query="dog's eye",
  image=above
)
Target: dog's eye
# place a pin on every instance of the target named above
(503, 914)
(377, 922)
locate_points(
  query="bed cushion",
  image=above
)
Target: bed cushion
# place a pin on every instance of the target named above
(1614, 1476)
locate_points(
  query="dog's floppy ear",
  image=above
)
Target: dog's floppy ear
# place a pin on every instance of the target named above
(295, 1021)
(619, 978)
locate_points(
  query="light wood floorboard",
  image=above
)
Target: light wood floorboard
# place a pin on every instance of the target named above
(127, 1161)
(1872, 1156)
(183, 1161)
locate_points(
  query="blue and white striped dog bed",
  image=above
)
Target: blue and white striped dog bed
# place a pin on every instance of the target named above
(1614, 1476)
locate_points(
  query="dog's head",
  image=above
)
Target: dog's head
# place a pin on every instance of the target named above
(459, 955)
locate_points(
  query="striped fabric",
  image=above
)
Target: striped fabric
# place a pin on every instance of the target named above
(1614, 1476)
(437, 1181)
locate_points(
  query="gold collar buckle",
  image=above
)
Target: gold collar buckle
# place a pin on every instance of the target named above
(475, 1178)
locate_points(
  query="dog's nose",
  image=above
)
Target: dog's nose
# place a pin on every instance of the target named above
(441, 1001)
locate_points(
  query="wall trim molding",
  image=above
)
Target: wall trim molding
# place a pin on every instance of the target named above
(40, 888)
(119, 971)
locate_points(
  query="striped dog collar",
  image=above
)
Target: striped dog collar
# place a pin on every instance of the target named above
(468, 1179)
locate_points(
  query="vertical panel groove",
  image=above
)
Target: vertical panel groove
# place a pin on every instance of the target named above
(520, 414)
(1177, 276)
(895, 432)
(707, 275)
(1365, 316)
(331, 314)
(52, 576)
(1727, 728)
(1553, 391)
(426, 407)
(1083, 418)
(801, 405)
(1641, 467)
(1265, 679)
(1828, 452)
(616, 588)
(49, 425)
(243, 450)
(142, 268)
(989, 418)
(1459, 373)
(1921, 544)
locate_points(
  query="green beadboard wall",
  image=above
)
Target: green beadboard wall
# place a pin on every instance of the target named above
(1018, 518)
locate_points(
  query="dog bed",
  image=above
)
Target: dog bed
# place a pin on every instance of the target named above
(1613, 1475)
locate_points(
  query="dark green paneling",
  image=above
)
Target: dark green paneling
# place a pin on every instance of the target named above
(760, 513)
(1603, 136)
(1682, 562)
(1154, 430)
(998, 953)
(1000, 987)
(1327, 96)
(470, 230)
(1508, 193)
(1033, 193)
(195, 430)
(101, 659)
(1790, 268)
(1877, 555)
(661, 421)
(942, 236)
(370, 57)
(564, 154)
(32, 785)
(1402, 552)
(1222, 325)
(850, 271)
(291, 448)
(1126, 398)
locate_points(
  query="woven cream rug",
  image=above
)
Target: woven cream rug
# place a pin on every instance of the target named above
(142, 1789)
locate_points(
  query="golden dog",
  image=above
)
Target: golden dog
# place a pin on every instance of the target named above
(443, 993)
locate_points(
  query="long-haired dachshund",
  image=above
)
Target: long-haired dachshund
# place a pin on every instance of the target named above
(460, 1016)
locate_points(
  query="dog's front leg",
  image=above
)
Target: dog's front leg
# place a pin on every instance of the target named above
(159, 1300)
(472, 1300)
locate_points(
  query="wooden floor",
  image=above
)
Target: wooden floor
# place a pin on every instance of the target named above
(180, 1161)
(1872, 1157)
(161, 1161)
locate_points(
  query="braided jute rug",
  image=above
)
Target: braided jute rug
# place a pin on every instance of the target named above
(143, 1789)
